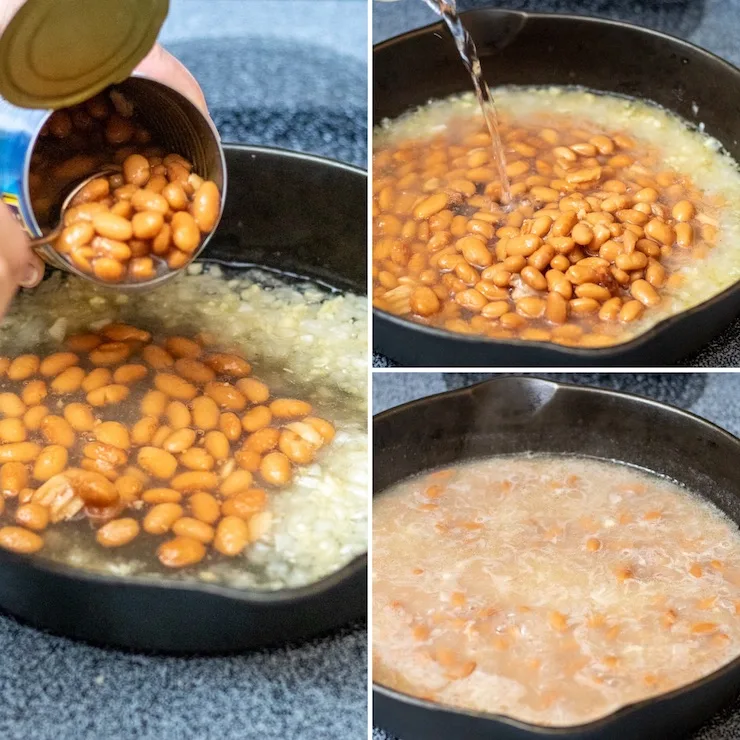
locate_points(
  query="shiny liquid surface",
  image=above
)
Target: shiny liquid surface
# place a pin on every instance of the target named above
(550, 589)
(318, 520)
(624, 219)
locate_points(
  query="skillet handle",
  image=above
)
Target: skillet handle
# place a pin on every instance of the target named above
(513, 398)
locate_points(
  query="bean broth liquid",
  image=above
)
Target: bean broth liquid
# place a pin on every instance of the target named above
(551, 589)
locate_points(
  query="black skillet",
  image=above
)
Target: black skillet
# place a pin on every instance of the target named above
(518, 48)
(515, 414)
(298, 214)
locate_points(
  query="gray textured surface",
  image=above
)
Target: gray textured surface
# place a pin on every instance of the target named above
(715, 396)
(712, 24)
(290, 73)
(287, 73)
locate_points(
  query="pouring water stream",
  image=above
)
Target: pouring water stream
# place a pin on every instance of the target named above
(447, 9)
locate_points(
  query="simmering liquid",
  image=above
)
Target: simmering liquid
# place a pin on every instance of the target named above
(553, 590)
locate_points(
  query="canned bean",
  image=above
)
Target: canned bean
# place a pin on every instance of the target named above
(232, 536)
(12, 429)
(161, 496)
(217, 444)
(157, 462)
(93, 488)
(175, 387)
(51, 461)
(23, 367)
(34, 416)
(195, 481)
(136, 170)
(68, 381)
(230, 424)
(154, 403)
(20, 540)
(205, 507)
(194, 529)
(13, 478)
(239, 480)
(275, 468)
(684, 235)
(56, 363)
(34, 392)
(256, 418)
(179, 441)
(108, 395)
(118, 532)
(160, 518)
(645, 293)
(534, 278)
(110, 353)
(255, 390)
(228, 364)
(226, 395)
(32, 516)
(178, 415)
(193, 370)
(205, 413)
(129, 374)
(289, 408)
(181, 552)
(95, 379)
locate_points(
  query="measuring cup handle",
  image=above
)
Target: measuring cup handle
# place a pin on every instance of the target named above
(41, 241)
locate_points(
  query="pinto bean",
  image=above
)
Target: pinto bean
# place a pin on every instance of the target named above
(51, 461)
(276, 469)
(205, 413)
(20, 540)
(157, 462)
(181, 552)
(160, 518)
(232, 536)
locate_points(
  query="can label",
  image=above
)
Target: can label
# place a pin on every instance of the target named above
(18, 129)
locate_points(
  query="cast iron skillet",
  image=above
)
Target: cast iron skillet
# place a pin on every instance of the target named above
(286, 211)
(515, 414)
(542, 49)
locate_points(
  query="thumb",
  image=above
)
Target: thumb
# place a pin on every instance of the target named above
(160, 65)
(33, 272)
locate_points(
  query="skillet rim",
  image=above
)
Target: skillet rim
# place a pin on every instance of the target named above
(259, 597)
(294, 154)
(601, 723)
(553, 350)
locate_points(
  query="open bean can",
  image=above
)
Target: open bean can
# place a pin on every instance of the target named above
(39, 74)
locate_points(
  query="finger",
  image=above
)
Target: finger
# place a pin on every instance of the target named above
(8, 285)
(33, 274)
(14, 247)
(160, 65)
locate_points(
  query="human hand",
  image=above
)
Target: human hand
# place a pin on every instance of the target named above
(18, 264)
(160, 65)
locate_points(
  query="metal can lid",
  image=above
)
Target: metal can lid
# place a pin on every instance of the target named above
(56, 53)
